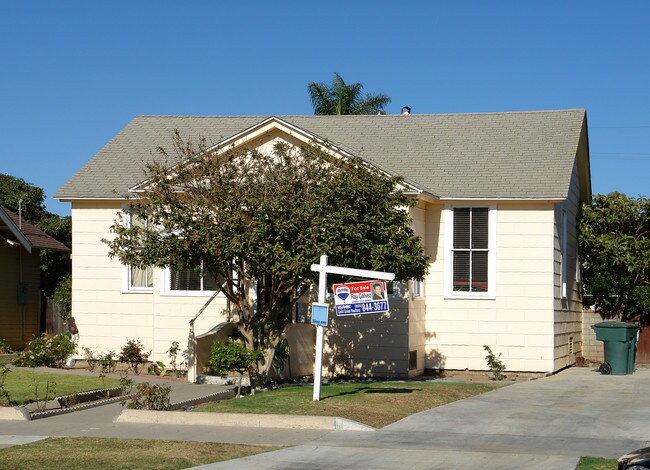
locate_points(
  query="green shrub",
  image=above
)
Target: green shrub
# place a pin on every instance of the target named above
(5, 399)
(134, 355)
(91, 359)
(46, 350)
(150, 397)
(108, 362)
(232, 357)
(495, 364)
(63, 296)
(4, 347)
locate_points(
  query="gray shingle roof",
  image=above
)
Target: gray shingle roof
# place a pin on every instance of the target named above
(517, 155)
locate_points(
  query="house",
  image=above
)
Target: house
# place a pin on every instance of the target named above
(20, 295)
(497, 199)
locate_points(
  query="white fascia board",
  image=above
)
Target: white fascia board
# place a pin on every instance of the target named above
(502, 199)
(73, 199)
(15, 231)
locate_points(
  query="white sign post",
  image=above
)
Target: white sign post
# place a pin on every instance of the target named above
(323, 269)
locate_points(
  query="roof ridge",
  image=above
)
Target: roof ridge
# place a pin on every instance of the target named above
(360, 116)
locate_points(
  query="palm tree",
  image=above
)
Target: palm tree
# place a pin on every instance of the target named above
(340, 98)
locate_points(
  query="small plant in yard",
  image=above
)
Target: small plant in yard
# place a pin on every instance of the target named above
(4, 347)
(126, 384)
(232, 357)
(41, 397)
(157, 368)
(46, 350)
(5, 399)
(172, 353)
(494, 363)
(134, 355)
(91, 359)
(108, 362)
(150, 397)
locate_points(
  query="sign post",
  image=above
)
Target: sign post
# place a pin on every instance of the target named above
(323, 269)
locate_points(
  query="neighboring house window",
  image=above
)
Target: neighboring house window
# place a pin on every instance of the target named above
(197, 282)
(136, 279)
(470, 242)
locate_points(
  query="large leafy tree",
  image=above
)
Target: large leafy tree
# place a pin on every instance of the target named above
(342, 98)
(257, 222)
(614, 244)
(54, 265)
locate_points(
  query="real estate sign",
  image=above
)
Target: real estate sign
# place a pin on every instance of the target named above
(356, 298)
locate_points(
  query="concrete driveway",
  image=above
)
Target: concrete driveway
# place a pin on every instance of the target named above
(546, 424)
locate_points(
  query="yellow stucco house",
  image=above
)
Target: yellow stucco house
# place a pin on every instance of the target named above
(497, 199)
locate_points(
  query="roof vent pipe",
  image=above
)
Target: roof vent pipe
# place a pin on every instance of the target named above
(406, 110)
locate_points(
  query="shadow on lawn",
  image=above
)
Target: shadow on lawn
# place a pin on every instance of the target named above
(372, 390)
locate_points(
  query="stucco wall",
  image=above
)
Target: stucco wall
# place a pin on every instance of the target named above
(518, 321)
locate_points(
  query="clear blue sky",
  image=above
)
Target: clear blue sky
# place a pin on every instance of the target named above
(73, 73)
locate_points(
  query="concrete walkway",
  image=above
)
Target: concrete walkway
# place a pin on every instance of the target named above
(547, 423)
(541, 424)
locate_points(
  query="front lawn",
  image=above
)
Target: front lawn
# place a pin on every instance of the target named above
(596, 463)
(82, 453)
(373, 403)
(25, 386)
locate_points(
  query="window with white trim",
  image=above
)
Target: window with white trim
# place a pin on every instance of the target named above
(470, 242)
(136, 279)
(197, 282)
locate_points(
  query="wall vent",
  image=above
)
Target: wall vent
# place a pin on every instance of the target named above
(413, 360)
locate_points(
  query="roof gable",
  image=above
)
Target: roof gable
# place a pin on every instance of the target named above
(519, 155)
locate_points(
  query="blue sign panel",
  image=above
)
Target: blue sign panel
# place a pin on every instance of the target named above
(319, 314)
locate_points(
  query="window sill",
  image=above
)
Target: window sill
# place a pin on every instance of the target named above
(189, 293)
(137, 291)
(486, 296)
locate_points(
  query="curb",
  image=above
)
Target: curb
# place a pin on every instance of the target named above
(14, 414)
(244, 420)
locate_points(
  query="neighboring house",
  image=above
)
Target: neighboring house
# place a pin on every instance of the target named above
(20, 294)
(497, 199)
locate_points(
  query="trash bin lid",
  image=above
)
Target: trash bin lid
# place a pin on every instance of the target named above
(618, 324)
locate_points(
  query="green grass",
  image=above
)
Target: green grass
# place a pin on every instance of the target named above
(373, 403)
(25, 386)
(596, 463)
(82, 453)
(7, 358)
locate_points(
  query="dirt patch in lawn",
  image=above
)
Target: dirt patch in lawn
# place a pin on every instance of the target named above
(478, 376)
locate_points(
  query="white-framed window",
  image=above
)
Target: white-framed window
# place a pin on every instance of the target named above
(136, 279)
(470, 249)
(187, 282)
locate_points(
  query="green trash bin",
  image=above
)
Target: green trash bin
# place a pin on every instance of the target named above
(619, 341)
